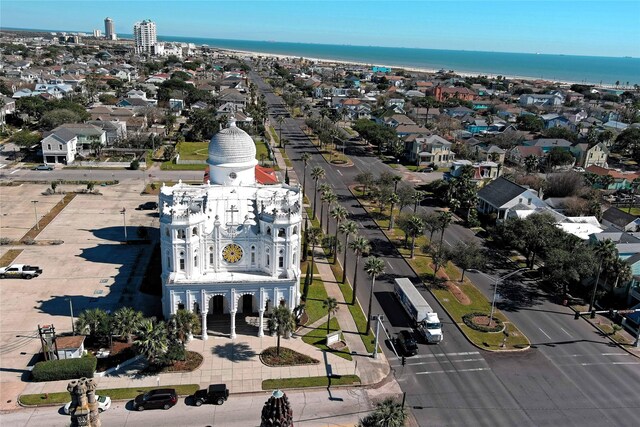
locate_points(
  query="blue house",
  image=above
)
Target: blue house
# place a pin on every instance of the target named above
(379, 69)
(555, 120)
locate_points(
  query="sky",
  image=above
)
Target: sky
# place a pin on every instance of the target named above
(598, 28)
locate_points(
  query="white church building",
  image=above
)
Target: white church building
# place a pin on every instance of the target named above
(230, 247)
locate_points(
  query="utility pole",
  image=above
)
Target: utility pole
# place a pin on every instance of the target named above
(73, 326)
(378, 319)
(35, 210)
(495, 291)
(123, 212)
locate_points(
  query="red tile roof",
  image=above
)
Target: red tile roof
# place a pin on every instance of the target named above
(266, 176)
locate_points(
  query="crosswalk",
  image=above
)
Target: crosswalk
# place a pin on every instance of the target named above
(442, 363)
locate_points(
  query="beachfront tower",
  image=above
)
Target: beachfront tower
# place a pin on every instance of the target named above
(145, 36)
(109, 30)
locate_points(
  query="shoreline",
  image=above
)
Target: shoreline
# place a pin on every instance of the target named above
(406, 68)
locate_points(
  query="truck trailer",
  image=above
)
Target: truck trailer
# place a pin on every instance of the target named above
(425, 319)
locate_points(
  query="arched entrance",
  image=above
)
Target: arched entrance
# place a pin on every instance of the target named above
(216, 305)
(246, 304)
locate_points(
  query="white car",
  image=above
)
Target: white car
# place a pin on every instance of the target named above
(104, 403)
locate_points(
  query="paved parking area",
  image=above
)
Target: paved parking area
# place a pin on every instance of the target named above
(92, 267)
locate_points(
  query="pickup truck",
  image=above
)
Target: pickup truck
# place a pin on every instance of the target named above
(215, 393)
(21, 271)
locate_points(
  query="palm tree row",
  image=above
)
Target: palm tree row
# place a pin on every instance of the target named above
(154, 339)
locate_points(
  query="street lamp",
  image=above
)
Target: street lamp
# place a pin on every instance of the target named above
(35, 210)
(73, 327)
(495, 290)
(123, 212)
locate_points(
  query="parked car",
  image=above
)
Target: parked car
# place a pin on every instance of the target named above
(147, 206)
(104, 403)
(43, 168)
(21, 271)
(162, 398)
(215, 393)
(427, 169)
(407, 343)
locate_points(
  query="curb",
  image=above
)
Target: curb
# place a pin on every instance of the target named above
(429, 290)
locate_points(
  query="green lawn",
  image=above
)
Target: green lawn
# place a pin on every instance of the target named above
(113, 393)
(170, 166)
(261, 150)
(193, 150)
(317, 294)
(317, 337)
(284, 383)
(358, 316)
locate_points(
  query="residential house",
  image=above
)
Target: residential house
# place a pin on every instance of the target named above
(234, 97)
(482, 171)
(501, 196)
(70, 347)
(539, 100)
(115, 130)
(490, 152)
(547, 144)
(615, 125)
(7, 106)
(59, 147)
(443, 93)
(429, 149)
(588, 156)
(459, 111)
(555, 120)
(617, 218)
(621, 180)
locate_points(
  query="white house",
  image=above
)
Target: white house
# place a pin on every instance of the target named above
(502, 196)
(59, 147)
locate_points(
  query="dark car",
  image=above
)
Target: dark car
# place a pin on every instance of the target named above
(148, 206)
(216, 393)
(163, 398)
(407, 343)
(43, 168)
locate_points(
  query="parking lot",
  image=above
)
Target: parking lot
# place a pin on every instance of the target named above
(90, 268)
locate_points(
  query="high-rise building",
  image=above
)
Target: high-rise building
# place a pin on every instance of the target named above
(109, 31)
(145, 37)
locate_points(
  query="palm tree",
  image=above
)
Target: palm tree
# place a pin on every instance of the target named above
(445, 219)
(359, 246)
(622, 272)
(418, 197)
(316, 174)
(305, 159)
(415, 226)
(339, 214)
(329, 198)
(94, 321)
(388, 413)
(126, 322)
(393, 199)
(313, 237)
(331, 305)
(185, 322)
(152, 340)
(280, 121)
(605, 250)
(322, 189)
(374, 268)
(349, 228)
(431, 224)
(285, 323)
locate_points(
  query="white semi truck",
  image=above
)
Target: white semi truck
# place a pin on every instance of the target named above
(426, 320)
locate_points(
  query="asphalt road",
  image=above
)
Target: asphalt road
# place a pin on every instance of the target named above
(570, 376)
(311, 408)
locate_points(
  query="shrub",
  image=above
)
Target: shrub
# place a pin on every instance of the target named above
(65, 369)
(135, 165)
(468, 320)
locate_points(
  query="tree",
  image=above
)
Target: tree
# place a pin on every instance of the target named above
(328, 197)
(314, 236)
(388, 413)
(559, 157)
(374, 268)
(95, 322)
(406, 194)
(605, 251)
(331, 305)
(415, 227)
(285, 323)
(25, 138)
(440, 255)
(360, 246)
(365, 179)
(126, 322)
(339, 214)
(467, 255)
(305, 159)
(530, 122)
(280, 121)
(393, 200)
(621, 270)
(530, 163)
(317, 173)
(560, 133)
(152, 340)
(444, 219)
(184, 323)
(349, 229)
(418, 197)
(532, 236)
(567, 264)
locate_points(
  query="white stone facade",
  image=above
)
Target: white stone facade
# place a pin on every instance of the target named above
(230, 246)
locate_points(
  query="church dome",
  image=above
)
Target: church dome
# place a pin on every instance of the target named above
(231, 145)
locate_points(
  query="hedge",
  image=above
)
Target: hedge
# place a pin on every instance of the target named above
(65, 369)
(468, 320)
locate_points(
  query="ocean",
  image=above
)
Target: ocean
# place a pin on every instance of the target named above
(568, 68)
